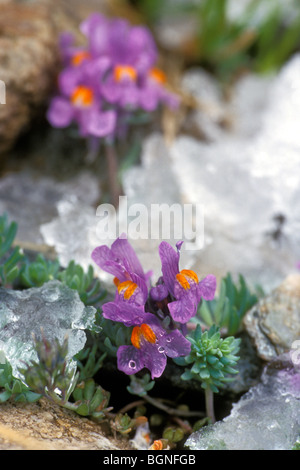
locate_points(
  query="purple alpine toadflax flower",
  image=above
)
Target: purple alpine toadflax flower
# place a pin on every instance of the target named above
(122, 262)
(151, 341)
(113, 75)
(151, 344)
(183, 286)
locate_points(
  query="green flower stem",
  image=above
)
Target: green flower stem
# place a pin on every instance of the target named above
(113, 176)
(171, 411)
(59, 401)
(209, 404)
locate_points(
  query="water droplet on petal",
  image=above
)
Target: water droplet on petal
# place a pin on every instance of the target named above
(161, 349)
(132, 364)
(169, 340)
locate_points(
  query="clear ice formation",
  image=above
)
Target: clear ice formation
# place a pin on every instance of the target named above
(72, 233)
(267, 417)
(53, 308)
(247, 178)
(31, 201)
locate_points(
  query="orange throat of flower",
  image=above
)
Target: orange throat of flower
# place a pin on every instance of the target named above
(79, 57)
(186, 277)
(158, 75)
(126, 72)
(142, 332)
(82, 96)
(127, 288)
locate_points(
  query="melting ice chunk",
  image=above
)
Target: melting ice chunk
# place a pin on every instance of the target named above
(54, 308)
(266, 418)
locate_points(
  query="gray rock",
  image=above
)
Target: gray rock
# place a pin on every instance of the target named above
(53, 308)
(274, 323)
(267, 417)
(28, 65)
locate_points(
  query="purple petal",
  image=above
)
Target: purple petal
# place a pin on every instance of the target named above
(139, 296)
(142, 48)
(122, 249)
(142, 289)
(96, 29)
(96, 68)
(148, 99)
(130, 96)
(69, 79)
(106, 260)
(170, 264)
(60, 112)
(155, 323)
(148, 275)
(175, 344)
(129, 359)
(154, 359)
(132, 360)
(159, 293)
(192, 292)
(66, 45)
(66, 39)
(88, 26)
(207, 287)
(179, 245)
(118, 40)
(154, 94)
(124, 312)
(111, 91)
(183, 310)
(100, 124)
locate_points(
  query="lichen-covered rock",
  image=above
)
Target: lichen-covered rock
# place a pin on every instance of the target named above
(28, 65)
(274, 323)
(46, 426)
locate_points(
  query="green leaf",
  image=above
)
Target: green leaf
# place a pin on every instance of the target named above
(32, 397)
(187, 375)
(180, 361)
(198, 333)
(205, 313)
(8, 237)
(83, 409)
(196, 368)
(212, 359)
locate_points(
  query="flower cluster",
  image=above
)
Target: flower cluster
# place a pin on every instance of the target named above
(157, 314)
(115, 75)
